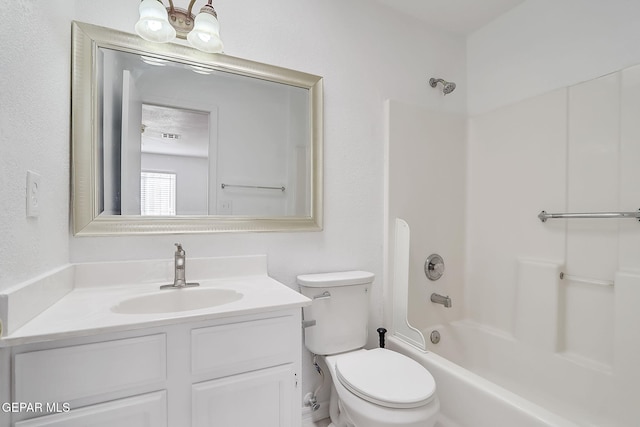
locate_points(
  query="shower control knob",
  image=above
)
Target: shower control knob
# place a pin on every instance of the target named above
(434, 267)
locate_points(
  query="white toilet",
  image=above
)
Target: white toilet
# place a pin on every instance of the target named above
(371, 388)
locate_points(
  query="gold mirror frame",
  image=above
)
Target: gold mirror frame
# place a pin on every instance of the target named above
(85, 152)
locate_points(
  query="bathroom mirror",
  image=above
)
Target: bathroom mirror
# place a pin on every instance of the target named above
(168, 139)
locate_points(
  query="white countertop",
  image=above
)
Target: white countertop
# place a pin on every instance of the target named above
(86, 310)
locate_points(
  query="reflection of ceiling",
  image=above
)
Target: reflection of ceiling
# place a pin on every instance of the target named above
(174, 131)
(457, 16)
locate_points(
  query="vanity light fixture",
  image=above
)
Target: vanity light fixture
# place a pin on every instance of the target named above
(161, 25)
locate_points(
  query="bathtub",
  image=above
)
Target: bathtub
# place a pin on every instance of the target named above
(527, 376)
(469, 400)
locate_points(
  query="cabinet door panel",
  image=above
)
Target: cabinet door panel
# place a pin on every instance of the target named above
(260, 398)
(224, 350)
(68, 373)
(148, 410)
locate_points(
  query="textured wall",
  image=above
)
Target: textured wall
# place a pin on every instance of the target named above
(363, 60)
(366, 54)
(34, 135)
(543, 45)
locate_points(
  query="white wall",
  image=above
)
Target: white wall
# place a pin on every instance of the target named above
(34, 134)
(366, 54)
(543, 45)
(361, 67)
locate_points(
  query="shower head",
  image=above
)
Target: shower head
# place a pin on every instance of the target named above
(447, 87)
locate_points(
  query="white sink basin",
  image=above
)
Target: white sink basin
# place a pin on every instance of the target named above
(170, 301)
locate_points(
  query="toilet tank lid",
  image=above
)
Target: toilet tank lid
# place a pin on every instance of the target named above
(342, 278)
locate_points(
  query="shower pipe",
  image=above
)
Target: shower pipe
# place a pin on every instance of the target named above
(544, 216)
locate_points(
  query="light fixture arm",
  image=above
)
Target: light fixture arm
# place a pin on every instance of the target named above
(172, 9)
(208, 8)
(190, 8)
(206, 37)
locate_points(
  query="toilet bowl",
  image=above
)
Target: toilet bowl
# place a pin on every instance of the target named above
(370, 388)
(382, 388)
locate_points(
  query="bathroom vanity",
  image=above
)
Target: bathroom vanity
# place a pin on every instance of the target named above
(85, 362)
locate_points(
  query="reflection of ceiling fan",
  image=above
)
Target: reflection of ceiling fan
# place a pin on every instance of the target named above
(168, 136)
(174, 131)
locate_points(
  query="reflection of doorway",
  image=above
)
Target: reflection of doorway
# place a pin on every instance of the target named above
(176, 141)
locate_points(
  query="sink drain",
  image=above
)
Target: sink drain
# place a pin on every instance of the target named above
(435, 337)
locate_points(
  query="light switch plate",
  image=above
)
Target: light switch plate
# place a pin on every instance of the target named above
(33, 194)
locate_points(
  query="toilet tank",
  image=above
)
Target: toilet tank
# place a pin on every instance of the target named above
(340, 309)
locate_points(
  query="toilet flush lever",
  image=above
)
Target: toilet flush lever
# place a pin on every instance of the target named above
(324, 295)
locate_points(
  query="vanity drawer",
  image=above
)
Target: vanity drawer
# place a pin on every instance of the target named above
(149, 410)
(239, 347)
(81, 371)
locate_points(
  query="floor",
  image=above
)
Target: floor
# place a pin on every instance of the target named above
(442, 422)
(321, 423)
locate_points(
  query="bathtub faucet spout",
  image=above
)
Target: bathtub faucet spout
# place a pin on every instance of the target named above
(439, 299)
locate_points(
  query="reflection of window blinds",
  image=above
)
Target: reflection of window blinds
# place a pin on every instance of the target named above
(157, 193)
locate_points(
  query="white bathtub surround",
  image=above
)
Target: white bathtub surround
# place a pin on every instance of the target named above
(537, 294)
(400, 325)
(95, 288)
(422, 147)
(566, 343)
(626, 373)
(517, 161)
(566, 151)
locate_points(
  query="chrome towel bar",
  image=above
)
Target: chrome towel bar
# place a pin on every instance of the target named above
(587, 280)
(252, 186)
(544, 216)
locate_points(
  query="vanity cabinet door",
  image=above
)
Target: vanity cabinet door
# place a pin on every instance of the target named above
(148, 410)
(261, 398)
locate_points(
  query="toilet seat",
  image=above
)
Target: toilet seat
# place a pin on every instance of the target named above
(386, 378)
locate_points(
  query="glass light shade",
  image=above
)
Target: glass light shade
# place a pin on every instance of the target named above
(205, 35)
(154, 23)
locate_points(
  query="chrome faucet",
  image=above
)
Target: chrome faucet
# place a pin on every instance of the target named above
(179, 262)
(439, 299)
